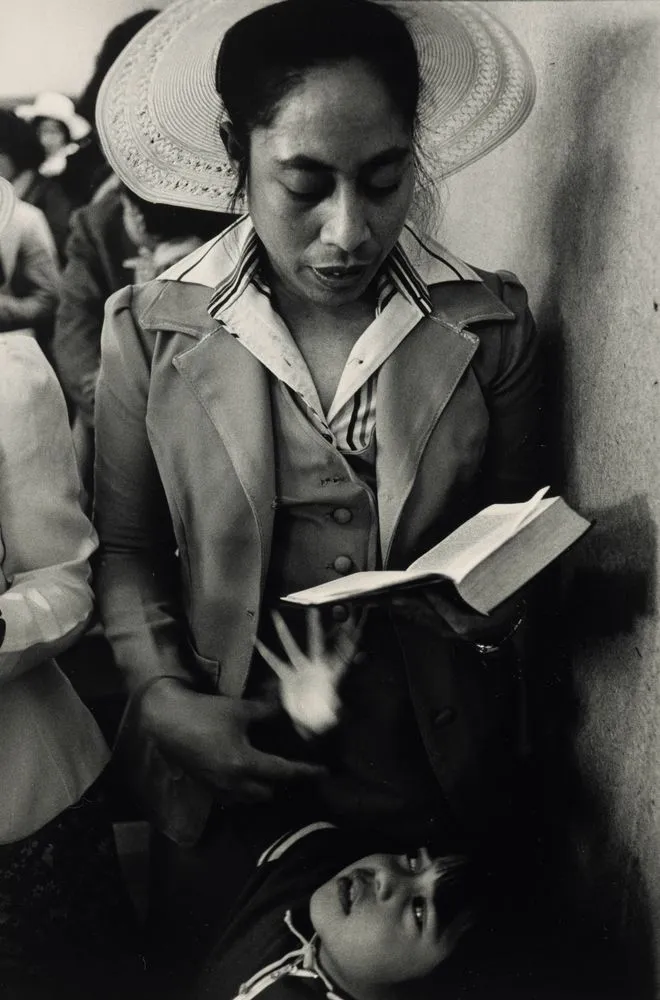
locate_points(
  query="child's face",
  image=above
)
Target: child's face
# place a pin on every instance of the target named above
(377, 924)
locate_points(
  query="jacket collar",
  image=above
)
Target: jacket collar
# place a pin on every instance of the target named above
(230, 261)
(302, 962)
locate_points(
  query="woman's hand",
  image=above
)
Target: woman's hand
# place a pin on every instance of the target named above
(207, 736)
(309, 681)
(431, 607)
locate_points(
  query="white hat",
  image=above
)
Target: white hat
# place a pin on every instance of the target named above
(158, 110)
(57, 106)
(7, 202)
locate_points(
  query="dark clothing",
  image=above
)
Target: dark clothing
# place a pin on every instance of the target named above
(276, 900)
(64, 913)
(48, 194)
(96, 249)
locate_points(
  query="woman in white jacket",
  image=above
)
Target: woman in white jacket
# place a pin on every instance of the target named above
(59, 885)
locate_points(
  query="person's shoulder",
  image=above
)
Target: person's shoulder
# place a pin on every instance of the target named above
(166, 306)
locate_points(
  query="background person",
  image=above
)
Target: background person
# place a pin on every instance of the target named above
(62, 908)
(21, 156)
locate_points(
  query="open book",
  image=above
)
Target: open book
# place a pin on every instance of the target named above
(487, 559)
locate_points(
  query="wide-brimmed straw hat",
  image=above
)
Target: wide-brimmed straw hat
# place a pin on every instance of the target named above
(158, 111)
(60, 108)
(7, 202)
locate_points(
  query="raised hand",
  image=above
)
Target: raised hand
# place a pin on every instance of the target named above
(309, 680)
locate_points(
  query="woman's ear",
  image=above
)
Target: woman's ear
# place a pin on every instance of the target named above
(235, 150)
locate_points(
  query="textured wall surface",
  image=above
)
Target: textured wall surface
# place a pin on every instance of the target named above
(572, 203)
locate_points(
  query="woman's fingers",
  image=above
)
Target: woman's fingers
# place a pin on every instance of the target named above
(278, 666)
(315, 636)
(291, 647)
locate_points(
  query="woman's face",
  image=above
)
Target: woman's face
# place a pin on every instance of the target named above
(330, 183)
(52, 135)
(377, 922)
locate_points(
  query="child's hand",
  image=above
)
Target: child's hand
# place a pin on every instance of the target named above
(309, 681)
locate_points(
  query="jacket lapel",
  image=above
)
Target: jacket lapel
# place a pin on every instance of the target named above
(415, 386)
(230, 384)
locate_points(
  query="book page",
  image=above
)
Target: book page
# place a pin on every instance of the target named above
(353, 585)
(458, 554)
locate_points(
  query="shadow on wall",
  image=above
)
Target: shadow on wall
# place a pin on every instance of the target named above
(586, 195)
(614, 581)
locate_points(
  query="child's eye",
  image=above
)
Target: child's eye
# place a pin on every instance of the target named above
(413, 861)
(419, 912)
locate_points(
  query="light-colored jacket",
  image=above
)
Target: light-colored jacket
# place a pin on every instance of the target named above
(51, 750)
(185, 503)
(29, 294)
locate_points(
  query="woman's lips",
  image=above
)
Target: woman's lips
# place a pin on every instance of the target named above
(339, 277)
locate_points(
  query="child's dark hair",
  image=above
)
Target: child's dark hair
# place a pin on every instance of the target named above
(264, 55)
(19, 141)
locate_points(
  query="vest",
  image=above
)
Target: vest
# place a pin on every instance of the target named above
(326, 526)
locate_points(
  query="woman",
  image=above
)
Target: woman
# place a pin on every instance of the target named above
(58, 128)
(21, 156)
(59, 884)
(320, 389)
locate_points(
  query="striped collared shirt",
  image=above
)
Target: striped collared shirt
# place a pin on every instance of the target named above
(241, 301)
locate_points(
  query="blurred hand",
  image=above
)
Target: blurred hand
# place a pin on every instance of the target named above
(309, 680)
(207, 736)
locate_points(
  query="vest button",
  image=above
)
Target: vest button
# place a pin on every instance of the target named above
(343, 564)
(444, 717)
(342, 515)
(339, 612)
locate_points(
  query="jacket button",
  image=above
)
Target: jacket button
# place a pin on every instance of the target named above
(339, 612)
(360, 659)
(444, 717)
(343, 564)
(342, 515)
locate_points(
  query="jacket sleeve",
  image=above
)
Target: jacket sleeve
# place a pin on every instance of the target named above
(515, 462)
(137, 574)
(46, 539)
(79, 318)
(35, 282)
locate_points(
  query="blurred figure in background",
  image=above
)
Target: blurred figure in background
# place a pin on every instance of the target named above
(59, 129)
(21, 159)
(116, 241)
(29, 277)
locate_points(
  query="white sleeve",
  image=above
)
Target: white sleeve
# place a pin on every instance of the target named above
(45, 538)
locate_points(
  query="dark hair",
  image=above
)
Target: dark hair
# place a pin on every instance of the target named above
(264, 55)
(115, 42)
(166, 222)
(19, 141)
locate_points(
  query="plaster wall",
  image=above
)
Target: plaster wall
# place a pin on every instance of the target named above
(52, 44)
(572, 204)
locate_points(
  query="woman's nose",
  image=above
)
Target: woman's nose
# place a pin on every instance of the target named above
(346, 225)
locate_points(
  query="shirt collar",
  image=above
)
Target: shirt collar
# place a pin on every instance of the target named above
(231, 261)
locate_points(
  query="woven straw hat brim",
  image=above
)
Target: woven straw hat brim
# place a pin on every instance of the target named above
(7, 202)
(158, 112)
